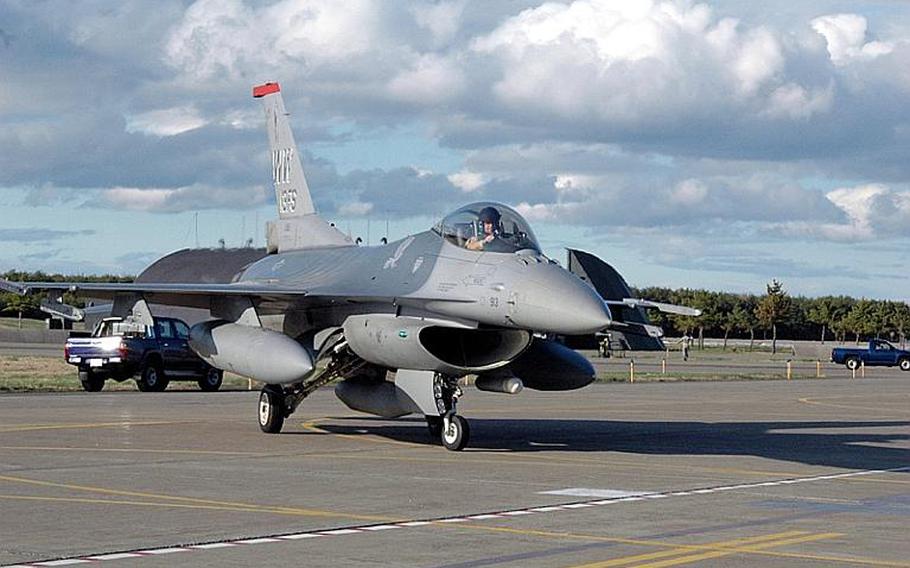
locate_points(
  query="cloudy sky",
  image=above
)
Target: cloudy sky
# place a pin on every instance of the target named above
(710, 145)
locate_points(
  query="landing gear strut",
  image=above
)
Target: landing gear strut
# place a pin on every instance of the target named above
(452, 429)
(277, 402)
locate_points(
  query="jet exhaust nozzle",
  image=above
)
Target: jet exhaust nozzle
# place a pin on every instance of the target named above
(253, 352)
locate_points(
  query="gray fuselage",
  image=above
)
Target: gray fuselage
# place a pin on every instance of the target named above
(424, 274)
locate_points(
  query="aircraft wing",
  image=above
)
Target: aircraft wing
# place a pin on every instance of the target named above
(200, 295)
(660, 306)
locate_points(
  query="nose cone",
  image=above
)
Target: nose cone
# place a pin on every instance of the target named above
(552, 299)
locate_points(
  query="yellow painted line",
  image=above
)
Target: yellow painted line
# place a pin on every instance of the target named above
(85, 500)
(876, 409)
(177, 498)
(738, 549)
(121, 424)
(839, 559)
(622, 561)
(134, 450)
(686, 547)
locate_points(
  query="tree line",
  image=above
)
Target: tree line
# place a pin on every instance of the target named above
(778, 314)
(775, 313)
(27, 306)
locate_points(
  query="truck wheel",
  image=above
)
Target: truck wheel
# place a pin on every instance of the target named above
(152, 379)
(90, 381)
(904, 364)
(852, 363)
(271, 409)
(212, 380)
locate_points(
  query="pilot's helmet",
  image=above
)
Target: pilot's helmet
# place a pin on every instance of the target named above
(490, 215)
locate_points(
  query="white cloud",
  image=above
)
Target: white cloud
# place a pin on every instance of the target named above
(431, 80)
(630, 61)
(174, 200)
(165, 122)
(355, 209)
(845, 35)
(689, 192)
(872, 211)
(228, 36)
(468, 181)
(441, 19)
(795, 101)
(540, 211)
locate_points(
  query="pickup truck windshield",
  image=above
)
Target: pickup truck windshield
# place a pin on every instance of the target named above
(119, 328)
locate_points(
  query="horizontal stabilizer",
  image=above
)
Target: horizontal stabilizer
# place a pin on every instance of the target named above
(637, 328)
(660, 306)
(61, 310)
(11, 287)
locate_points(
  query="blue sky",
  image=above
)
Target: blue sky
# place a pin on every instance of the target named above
(714, 145)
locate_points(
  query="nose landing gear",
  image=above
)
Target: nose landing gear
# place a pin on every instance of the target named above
(455, 433)
(450, 428)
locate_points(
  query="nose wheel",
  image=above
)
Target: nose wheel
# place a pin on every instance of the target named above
(450, 428)
(455, 433)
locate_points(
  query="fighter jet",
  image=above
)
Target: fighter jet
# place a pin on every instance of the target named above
(397, 325)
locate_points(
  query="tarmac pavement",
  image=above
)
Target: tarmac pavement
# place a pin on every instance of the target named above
(761, 473)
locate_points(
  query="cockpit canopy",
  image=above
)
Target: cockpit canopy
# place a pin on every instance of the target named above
(488, 227)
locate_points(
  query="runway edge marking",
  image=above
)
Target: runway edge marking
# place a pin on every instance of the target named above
(377, 527)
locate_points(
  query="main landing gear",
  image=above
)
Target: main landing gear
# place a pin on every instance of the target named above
(277, 402)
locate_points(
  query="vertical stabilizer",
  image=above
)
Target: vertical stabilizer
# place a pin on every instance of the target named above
(291, 190)
(298, 225)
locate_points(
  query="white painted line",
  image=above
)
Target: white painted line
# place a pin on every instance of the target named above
(456, 520)
(415, 524)
(518, 513)
(213, 545)
(256, 541)
(545, 509)
(380, 528)
(65, 562)
(339, 532)
(157, 551)
(484, 517)
(588, 492)
(576, 506)
(300, 536)
(116, 556)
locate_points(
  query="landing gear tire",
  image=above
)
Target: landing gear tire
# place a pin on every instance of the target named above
(434, 425)
(212, 380)
(90, 381)
(152, 379)
(271, 409)
(456, 434)
(852, 363)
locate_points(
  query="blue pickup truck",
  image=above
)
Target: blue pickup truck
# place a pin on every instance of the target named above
(119, 349)
(879, 353)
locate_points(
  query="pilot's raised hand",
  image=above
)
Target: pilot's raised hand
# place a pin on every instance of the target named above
(474, 244)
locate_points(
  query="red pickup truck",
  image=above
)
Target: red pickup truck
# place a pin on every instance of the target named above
(119, 350)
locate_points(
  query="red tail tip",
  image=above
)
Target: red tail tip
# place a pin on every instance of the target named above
(266, 89)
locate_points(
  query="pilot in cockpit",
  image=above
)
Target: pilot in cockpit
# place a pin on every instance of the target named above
(490, 220)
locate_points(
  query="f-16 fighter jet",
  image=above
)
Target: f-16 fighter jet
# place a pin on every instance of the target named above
(397, 325)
